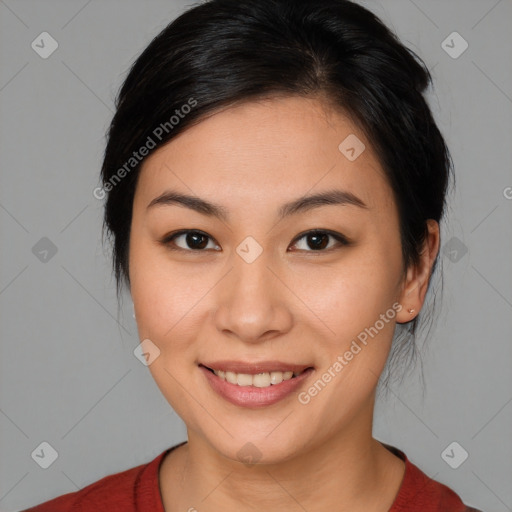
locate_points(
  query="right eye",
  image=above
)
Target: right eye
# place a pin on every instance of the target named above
(194, 239)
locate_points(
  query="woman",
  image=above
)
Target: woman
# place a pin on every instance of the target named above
(274, 184)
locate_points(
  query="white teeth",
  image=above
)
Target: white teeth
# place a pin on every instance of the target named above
(243, 379)
(276, 377)
(230, 377)
(260, 380)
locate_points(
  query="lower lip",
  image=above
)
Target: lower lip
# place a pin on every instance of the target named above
(251, 396)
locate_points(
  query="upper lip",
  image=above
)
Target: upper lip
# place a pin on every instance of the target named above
(256, 367)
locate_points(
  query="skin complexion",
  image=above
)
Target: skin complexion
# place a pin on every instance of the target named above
(302, 301)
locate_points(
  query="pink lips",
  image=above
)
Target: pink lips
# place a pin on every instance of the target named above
(251, 396)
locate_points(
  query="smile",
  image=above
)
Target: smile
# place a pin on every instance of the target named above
(255, 390)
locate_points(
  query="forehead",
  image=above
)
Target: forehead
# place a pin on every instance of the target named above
(268, 151)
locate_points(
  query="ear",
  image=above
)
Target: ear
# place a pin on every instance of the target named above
(414, 288)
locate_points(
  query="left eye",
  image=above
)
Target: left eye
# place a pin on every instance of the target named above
(319, 240)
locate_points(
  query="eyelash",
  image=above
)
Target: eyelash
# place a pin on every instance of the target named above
(168, 240)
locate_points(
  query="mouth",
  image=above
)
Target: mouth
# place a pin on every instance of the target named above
(262, 384)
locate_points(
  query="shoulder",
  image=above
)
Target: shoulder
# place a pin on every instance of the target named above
(130, 490)
(420, 493)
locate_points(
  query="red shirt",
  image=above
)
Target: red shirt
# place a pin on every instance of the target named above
(137, 490)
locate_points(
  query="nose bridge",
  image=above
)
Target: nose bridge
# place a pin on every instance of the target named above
(251, 279)
(249, 303)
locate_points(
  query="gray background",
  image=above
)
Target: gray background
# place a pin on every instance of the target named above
(68, 373)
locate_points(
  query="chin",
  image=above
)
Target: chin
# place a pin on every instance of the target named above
(256, 449)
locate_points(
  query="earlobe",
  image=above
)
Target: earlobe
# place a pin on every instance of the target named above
(418, 276)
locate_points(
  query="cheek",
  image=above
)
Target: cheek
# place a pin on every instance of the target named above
(155, 293)
(354, 299)
(352, 293)
(167, 297)
(164, 305)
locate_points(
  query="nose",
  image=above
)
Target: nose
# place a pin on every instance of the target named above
(252, 301)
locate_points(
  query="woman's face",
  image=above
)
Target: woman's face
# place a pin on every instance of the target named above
(254, 287)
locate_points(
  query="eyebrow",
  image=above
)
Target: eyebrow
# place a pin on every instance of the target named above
(302, 204)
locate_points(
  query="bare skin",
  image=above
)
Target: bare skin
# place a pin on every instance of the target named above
(294, 303)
